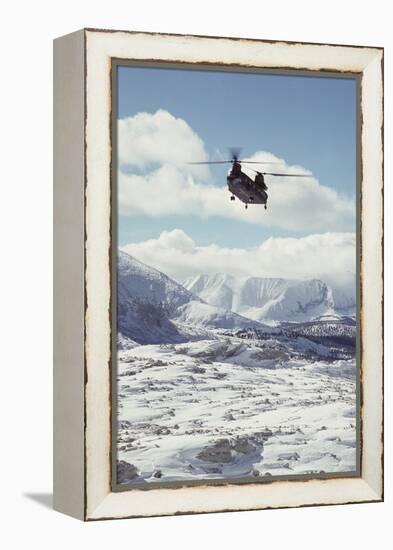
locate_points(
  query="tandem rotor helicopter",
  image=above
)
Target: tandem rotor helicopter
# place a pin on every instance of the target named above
(240, 185)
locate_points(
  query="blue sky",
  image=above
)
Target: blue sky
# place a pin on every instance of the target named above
(308, 121)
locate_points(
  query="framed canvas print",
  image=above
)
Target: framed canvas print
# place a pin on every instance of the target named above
(218, 274)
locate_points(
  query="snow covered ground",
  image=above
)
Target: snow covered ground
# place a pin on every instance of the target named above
(205, 392)
(229, 407)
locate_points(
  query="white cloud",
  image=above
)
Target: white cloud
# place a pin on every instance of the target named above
(177, 255)
(155, 180)
(146, 141)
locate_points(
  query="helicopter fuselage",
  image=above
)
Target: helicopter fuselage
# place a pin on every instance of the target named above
(246, 189)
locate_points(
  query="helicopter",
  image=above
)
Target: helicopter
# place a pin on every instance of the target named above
(240, 185)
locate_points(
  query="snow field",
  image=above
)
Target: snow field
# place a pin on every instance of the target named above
(227, 408)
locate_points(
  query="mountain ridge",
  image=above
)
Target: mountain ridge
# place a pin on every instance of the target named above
(153, 308)
(274, 299)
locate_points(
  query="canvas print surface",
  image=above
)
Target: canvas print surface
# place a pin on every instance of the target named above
(236, 276)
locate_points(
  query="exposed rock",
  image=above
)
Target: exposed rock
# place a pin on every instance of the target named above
(161, 430)
(219, 452)
(289, 456)
(197, 370)
(242, 445)
(126, 471)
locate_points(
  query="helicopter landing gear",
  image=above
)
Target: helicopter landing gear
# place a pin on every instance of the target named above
(246, 206)
(265, 206)
(232, 198)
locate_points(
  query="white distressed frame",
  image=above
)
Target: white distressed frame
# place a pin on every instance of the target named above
(100, 47)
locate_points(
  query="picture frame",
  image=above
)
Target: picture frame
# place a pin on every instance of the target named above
(84, 346)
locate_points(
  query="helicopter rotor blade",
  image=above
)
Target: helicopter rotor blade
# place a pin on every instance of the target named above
(258, 162)
(232, 161)
(288, 175)
(213, 162)
(282, 175)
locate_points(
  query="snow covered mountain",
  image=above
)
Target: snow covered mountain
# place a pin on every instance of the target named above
(273, 299)
(205, 315)
(146, 284)
(343, 291)
(152, 308)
